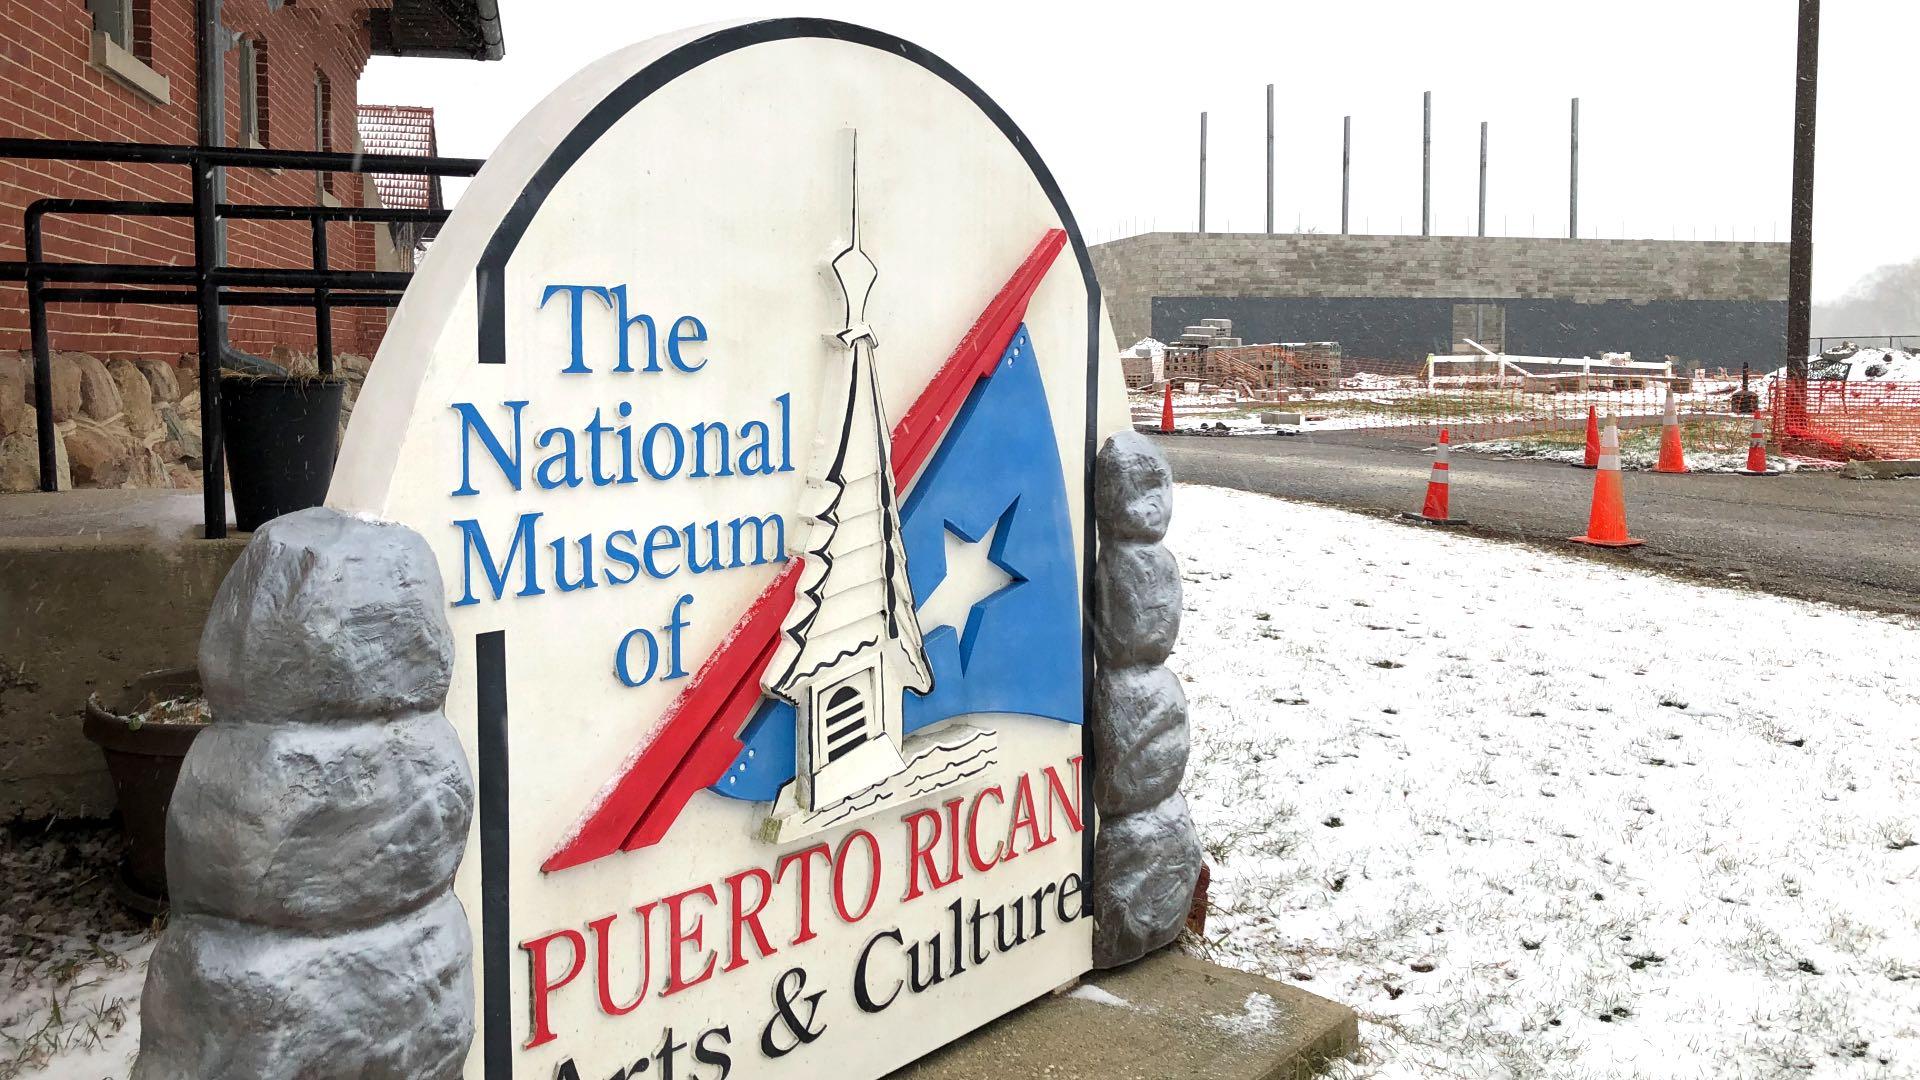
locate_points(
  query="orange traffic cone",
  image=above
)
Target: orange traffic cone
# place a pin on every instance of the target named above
(1593, 439)
(1607, 521)
(1757, 450)
(1166, 411)
(1673, 457)
(1434, 512)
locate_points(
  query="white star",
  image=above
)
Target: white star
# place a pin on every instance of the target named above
(971, 580)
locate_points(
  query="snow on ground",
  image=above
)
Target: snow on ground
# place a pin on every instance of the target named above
(1539, 816)
(1863, 365)
(75, 960)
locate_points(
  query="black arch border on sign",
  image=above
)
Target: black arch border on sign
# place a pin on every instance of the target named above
(490, 289)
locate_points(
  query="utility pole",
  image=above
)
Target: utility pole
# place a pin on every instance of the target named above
(1483, 178)
(1346, 170)
(1426, 164)
(1269, 157)
(1800, 236)
(1203, 172)
(1573, 178)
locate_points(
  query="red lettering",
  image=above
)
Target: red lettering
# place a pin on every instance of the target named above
(953, 837)
(1024, 816)
(920, 855)
(681, 934)
(973, 832)
(1057, 795)
(544, 986)
(749, 920)
(839, 876)
(603, 969)
(806, 933)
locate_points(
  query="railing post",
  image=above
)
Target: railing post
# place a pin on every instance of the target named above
(322, 310)
(45, 435)
(210, 87)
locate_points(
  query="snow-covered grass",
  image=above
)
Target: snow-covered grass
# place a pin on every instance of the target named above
(1539, 816)
(75, 960)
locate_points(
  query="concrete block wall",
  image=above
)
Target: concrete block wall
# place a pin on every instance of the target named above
(1137, 270)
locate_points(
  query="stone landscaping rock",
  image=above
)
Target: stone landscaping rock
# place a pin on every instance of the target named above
(161, 379)
(99, 393)
(64, 375)
(97, 459)
(19, 461)
(13, 392)
(136, 396)
(326, 617)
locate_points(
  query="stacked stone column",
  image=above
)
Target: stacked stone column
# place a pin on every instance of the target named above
(1146, 854)
(318, 822)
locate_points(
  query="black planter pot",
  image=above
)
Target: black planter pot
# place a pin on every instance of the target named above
(281, 435)
(144, 762)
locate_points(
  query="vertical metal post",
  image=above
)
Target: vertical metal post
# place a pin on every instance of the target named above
(1483, 178)
(44, 431)
(206, 193)
(1269, 157)
(1426, 164)
(1346, 171)
(1203, 172)
(1573, 178)
(1800, 234)
(322, 301)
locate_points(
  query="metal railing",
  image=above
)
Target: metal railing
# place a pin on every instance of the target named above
(206, 285)
(1869, 341)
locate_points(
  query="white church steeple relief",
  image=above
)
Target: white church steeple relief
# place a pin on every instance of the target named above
(850, 646)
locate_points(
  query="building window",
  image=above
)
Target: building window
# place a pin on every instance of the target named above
(123, 45)
(253, 93)
(323, 125)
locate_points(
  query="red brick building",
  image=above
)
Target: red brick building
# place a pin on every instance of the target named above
(125, 71)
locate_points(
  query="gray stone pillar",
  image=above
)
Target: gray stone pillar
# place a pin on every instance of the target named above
(1146, 856)
(318, 822)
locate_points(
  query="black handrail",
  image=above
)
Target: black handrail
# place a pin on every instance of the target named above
(207, 285)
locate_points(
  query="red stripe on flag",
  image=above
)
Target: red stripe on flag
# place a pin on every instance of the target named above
(700, 734)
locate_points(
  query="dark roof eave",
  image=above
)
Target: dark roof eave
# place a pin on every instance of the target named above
(447, 29)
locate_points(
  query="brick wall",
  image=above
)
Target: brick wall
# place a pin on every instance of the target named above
(49, 88)
(1748, 278)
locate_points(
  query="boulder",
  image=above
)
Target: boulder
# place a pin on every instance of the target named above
(1140, 739)
(231, 1001)
(327, 618)
(336, 825)
(13, 392)
(1145, 866)
(64, 375)
(136, 396)
(1138, 587)
(99, 393)
(161, 379)
(97, 459)
(1132, 488)
(19, 462)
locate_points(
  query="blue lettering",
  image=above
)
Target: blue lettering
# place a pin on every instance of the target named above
(696, 333)
(473, 542)
(662, 538)
(622, 555)
(576, 303)
(470, 425)
(564, 457)
(647, 461)
(699, 432)
(620, 667)
(646, 321)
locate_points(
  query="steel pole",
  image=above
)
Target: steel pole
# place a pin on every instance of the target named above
(1426, 164)
(1800, 253)
(1483, 178)
(1269, 157)
(1346, 171)
(207, 185)
(1203, 172)
(1573, 177)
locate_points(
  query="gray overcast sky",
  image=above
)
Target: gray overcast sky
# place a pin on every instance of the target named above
(1686, 107)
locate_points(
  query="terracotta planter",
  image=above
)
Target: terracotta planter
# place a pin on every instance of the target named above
(144, 762)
